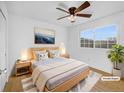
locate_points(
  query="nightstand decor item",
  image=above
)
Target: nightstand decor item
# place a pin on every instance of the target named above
(24, 65)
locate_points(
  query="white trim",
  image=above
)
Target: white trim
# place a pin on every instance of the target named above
(2, 14)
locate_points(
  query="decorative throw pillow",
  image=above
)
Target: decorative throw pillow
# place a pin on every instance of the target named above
(54, 53)
(41, 55)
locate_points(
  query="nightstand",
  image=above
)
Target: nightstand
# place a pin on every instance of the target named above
(23, 67)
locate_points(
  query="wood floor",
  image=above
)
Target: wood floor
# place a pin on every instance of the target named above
(108, 86)
(14, 84)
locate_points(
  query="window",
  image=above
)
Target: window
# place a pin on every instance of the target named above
(86, 38)
(103, 37)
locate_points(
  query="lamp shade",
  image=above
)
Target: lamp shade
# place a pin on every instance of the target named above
(26, 54)
(62, 49)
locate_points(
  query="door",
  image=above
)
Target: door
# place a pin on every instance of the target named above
(3, 64)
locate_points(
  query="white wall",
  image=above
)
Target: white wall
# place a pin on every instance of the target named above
(95, 57)
(21, 35)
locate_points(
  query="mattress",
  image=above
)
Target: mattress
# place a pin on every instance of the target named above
(55, 81)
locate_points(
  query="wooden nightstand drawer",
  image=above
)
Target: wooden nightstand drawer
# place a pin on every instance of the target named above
(23, 68)
(21, 64)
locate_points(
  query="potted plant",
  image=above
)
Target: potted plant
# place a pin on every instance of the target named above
(116, 55)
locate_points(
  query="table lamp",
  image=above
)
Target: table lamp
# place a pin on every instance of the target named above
(26, 55)
(62, 49)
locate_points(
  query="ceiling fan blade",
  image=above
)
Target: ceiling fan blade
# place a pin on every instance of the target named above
(63, 17)
(62, 10)
(84, 15)
(83, 6)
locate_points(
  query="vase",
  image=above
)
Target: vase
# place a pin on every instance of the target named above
(116, 72)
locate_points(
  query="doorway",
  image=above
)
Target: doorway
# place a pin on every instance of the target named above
(3, 63)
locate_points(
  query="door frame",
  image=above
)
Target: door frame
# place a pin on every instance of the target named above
(2, 13)
(6, 61)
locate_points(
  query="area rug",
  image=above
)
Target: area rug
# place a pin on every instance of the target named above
(84, 86)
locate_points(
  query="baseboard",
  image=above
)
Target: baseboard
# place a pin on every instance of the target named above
(100, 71)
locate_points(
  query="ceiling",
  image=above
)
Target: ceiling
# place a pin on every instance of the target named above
(46, 10)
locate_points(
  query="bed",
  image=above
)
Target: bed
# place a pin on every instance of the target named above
(68, 72)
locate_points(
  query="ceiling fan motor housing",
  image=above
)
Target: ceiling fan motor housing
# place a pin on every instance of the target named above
(72, 10)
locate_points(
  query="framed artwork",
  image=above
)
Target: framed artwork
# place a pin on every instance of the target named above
(44, 36)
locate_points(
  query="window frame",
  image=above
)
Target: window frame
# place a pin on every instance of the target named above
(93, 30)
(88, 42)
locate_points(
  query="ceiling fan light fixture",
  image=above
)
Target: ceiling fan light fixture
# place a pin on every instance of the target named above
(72, 18)
(73, 12)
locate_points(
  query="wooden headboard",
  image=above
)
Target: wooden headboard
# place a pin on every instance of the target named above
(41, 49)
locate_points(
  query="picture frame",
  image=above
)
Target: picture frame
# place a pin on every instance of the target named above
(44, 36)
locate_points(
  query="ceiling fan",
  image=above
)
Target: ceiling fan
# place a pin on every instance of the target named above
(74, 12)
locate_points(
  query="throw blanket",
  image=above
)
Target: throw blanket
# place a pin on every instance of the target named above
(42, 74)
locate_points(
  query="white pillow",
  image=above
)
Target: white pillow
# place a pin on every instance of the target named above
(54, 53)
(41, 55)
